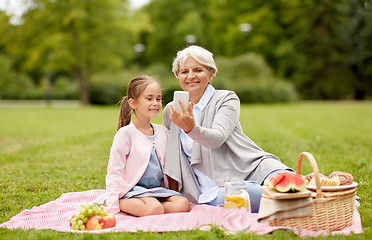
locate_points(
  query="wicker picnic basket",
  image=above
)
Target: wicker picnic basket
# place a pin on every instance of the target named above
(330, 210)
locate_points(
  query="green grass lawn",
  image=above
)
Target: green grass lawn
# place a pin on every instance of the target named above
(48, 151)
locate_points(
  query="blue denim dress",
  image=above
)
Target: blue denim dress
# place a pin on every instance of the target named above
(150, 183)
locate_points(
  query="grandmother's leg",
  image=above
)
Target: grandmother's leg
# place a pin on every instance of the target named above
(254, 191)
(273, 173)
(255, 194)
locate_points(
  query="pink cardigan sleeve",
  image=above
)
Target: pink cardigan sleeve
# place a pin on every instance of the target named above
(115, 170)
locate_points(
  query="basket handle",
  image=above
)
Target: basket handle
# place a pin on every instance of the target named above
(314, 166)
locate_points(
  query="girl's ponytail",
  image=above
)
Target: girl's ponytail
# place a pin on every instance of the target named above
(125, 113)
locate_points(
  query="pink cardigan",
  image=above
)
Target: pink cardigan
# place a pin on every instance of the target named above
(129, 157)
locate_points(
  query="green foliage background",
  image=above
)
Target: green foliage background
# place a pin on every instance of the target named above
(294, 50)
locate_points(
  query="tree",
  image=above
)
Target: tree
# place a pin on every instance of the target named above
(359, 36)
(322, 71)
(172, 22)
(77, 37)
(4, 26)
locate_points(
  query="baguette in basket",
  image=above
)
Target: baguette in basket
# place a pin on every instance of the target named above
(326, 182)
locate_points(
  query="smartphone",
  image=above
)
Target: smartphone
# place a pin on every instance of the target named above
(184, 96)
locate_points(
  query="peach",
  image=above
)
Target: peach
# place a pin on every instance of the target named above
(95, 222)
(109, 221)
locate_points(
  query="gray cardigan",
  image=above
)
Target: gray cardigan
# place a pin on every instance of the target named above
(220, 150)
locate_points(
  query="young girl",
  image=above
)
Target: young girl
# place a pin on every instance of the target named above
(135, 182)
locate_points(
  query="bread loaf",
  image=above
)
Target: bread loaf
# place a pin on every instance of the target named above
(326, 182)
(310, 176)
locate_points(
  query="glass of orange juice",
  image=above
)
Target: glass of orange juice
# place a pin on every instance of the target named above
(236, 207)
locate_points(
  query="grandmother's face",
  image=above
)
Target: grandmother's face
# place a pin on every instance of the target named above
(194, 77)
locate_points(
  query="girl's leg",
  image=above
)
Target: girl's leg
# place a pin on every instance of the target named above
(175, 204)
(141, 206)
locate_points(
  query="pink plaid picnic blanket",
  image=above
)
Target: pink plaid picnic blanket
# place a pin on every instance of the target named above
(56, 215)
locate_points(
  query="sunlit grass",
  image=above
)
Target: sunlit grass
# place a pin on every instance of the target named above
(45, 152)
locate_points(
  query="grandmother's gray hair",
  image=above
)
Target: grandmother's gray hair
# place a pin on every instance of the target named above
(200, 54)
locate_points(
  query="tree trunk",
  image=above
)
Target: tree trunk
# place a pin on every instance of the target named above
(84, 86)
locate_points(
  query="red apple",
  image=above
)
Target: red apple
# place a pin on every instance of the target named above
(109, 221)
(95, 222)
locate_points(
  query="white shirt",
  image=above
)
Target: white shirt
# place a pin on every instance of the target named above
(207, 185)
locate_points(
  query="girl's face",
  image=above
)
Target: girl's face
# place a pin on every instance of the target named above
(148, 104)
(194, 77)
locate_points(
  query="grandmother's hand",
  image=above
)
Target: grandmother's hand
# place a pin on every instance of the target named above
(184, 120)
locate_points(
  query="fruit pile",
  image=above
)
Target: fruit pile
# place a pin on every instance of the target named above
(92, 217)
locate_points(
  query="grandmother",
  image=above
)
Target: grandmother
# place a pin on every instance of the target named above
(206, 144)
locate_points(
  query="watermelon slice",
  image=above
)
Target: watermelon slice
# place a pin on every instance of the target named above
(286, 182)
(271, 182)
